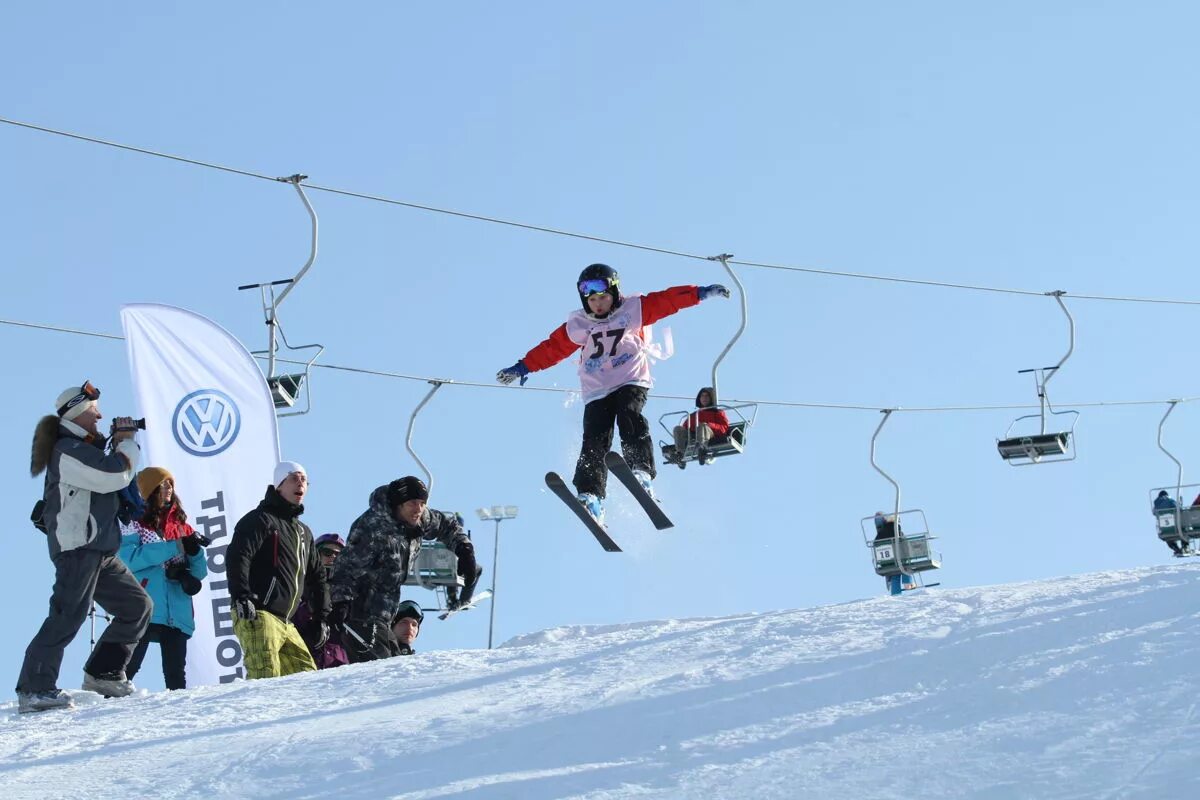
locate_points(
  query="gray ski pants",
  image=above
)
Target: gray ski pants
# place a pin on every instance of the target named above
(80, 577)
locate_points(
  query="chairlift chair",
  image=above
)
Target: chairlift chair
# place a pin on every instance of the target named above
(733, 442)
(1178, 522)
(910, 552)
(1046, 445)
(903, 552)
(436, 570)
(287, 387)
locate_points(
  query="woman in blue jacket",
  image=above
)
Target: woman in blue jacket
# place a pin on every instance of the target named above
(165, 555)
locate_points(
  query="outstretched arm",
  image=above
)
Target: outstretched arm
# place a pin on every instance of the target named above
(553, 349)
(549, 352)
(657, 305)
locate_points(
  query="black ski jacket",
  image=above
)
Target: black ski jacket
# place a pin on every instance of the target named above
(271, 557)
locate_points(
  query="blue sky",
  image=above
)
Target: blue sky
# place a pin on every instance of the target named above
(1017, 146)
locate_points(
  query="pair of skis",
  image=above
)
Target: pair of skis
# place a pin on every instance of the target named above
(619, 468)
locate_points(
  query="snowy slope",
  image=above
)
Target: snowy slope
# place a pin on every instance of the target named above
(1080, 687)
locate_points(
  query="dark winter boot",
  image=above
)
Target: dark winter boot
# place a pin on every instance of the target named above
(43, 701)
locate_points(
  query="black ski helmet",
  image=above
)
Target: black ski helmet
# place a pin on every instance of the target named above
(409, 608)
(600, 272)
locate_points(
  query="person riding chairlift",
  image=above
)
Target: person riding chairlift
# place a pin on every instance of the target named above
(700, 426)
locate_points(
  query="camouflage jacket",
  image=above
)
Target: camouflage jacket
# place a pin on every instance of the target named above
(374, 564)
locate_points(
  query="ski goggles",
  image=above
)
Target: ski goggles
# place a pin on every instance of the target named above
(594, 286)
(86, 392)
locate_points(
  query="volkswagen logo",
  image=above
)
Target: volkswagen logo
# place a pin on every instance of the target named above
(206, 422)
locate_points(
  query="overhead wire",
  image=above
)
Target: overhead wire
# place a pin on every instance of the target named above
(558, 390)
(591, 237)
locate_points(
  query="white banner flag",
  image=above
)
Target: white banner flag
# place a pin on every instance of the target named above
(210, 421)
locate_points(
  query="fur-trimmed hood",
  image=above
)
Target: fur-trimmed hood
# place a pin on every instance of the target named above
(44, 437)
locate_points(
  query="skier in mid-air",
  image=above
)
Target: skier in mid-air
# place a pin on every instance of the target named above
(614, 371)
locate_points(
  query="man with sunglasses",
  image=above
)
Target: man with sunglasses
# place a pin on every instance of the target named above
(614, 371)
(81, 502)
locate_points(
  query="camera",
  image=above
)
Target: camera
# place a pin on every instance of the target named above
(138, 425)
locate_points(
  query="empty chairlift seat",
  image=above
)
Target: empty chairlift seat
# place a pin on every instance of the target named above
(1034, 447)
(436, 567)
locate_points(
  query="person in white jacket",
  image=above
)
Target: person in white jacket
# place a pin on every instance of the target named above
(83, 535)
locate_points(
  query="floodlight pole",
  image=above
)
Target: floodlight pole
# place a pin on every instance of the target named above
(496, 514)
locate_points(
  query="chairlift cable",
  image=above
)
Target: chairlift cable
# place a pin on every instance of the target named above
(777, 403)
(591, 237)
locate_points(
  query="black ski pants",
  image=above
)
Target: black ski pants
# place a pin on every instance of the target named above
(624, 409)
(81, 576)
(173, 643)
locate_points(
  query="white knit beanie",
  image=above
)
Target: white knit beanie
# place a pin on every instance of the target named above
(285, 468)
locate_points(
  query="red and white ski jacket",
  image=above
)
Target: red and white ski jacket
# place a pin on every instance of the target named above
(613, 349)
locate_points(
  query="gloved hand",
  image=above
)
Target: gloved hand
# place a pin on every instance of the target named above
(339, 613)
(320, 634)
(191, 544)
(510, 374)
(705, 292)
(243, 608)
(180, 573)
(466, 562)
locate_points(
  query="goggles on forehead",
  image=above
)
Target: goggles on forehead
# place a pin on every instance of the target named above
(594, 286)
(86, 392)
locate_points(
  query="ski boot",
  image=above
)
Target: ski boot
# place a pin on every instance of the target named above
(644, 479)
(594, 505)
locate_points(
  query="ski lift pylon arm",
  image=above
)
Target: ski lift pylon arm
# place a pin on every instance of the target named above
(1178, 465)
(724, 259)
(887, 413)
(412, 421)
(1058, 294)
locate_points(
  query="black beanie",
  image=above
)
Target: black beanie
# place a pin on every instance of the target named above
(404, 489)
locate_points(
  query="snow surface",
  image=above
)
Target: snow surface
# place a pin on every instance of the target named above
(1078, 687)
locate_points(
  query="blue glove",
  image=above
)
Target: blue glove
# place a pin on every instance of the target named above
(510, 374)
(706, 292)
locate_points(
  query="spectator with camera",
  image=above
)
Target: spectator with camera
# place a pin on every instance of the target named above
(80, 494)
(271, 564)
(167, 557)
(382, 547)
